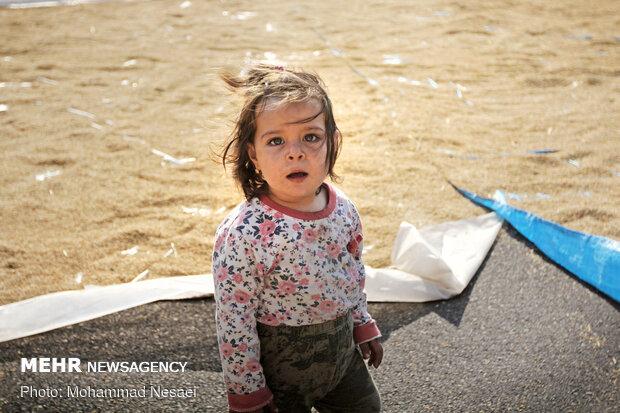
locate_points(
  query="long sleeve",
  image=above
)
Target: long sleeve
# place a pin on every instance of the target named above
(279, 266)
(237, 286)
(365, 329)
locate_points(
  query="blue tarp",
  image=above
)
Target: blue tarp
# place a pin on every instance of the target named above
(593, 259)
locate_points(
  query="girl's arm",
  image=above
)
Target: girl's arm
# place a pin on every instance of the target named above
(365, 328)
(237, 285)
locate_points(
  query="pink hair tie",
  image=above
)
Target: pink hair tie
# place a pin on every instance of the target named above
(278, 68)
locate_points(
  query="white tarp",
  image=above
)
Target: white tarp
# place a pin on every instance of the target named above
(430, 264)
(51, 311)
(434, 263)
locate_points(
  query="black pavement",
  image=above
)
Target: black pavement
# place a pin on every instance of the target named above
(524, 336)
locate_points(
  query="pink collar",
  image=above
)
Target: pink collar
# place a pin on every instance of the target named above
(308, 216)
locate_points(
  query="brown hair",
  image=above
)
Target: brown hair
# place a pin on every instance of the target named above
(257, 84)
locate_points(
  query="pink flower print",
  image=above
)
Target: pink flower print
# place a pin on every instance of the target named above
(309, 236)
(333, 250)
(241, 297)
(269, 319)
(225, 298)
(243, 347)
(296, 227)
(326, 306)
(226, 349)
(304, 281)
(219, 242)
(221, 274)
(353, 274)
(266, 228)
(354, 244)
(288, 287)
(235, 388)
(238, 278)
(253, 365)
(315, 297)
(239, 370)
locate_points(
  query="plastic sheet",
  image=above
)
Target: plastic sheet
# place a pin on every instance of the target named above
(337, 53)
(368, 79)
(81, 113)
(196, 210)
(47, 175)
(171, 159)
(46, 80)
(402, 79)
(459, 93)
(432, 83)
(130, 138)
(591, 258)
(52, 311)
(44, 3)
(131, 251)
(474, 157)
(244, 15)
(393, 59)
(171, 251)
(433, 263)
(585, 37)
(141, 276)
(429, 264)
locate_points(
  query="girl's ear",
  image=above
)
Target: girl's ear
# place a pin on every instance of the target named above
(336, 140)
(252, 155)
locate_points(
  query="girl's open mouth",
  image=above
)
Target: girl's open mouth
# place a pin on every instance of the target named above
(297, 176)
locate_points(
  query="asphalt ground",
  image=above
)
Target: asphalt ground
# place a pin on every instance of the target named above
(524, 336)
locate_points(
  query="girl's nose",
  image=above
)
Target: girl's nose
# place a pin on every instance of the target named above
(295, 152)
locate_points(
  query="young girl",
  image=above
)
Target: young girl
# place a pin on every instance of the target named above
(289, 277)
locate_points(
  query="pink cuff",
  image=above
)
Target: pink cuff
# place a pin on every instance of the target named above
(249, 402)
(366, 332)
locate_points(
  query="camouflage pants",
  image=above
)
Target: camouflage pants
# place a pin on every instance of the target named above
(317, 365)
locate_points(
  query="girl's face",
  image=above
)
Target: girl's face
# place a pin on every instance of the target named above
(291, 155)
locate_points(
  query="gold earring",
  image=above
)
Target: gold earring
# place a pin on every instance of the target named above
(258, 172)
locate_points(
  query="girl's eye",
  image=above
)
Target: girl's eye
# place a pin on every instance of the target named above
(311, 138)
(275, 141)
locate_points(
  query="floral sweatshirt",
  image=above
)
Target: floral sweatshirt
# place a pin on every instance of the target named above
(278, 266)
